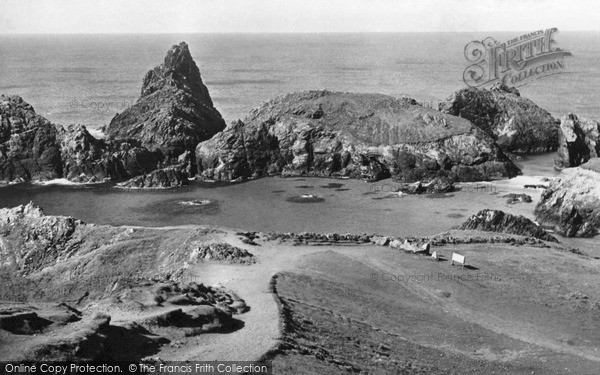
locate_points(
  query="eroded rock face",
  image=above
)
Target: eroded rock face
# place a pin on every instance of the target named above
(32, 148)
(517, 124)
(369, 136)
(174, 112)
(579, 141)
(29, 148)
(87, 159)
(30, 240)
(498, 221)
(571, 204)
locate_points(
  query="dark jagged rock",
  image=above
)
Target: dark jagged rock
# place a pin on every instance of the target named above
(517, 124)
(32, 148)
(87, 159)
(174, 112)
(440, 185)
(369, 136)
(160, 178)
(571, 204)
(29, 149)
(498, 221)
(578, 141)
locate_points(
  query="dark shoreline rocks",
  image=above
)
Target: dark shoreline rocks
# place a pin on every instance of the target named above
(579, 141)
(87, 159)
(517, 124)
(368, 136)
(571, 204)
(159, 178)
(498, 221)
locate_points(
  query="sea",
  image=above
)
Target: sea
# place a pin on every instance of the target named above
(87, 79)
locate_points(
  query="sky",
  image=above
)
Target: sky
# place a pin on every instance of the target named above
(229, 16)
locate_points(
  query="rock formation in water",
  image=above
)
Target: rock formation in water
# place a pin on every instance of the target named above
(498, 221)
(370, 136)
(151, 144)
(87, 159)
(32, 148)
(517, 124)
(29, 145)
(578, 141)
(174, 112)
(571, 204)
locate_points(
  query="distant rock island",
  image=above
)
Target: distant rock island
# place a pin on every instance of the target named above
(369, 136)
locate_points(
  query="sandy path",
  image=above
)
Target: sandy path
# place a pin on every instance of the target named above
(261, 324)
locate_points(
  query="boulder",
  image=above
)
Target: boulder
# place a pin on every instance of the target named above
(517, 198)
(571, 204)
(174, 112)
(517, 124)
(368, 136)
(221, 252)
(578, 141)
(440, 185)
(498, 221)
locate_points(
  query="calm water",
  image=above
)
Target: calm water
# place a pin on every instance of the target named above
(58, 74)
(263, 205)
(271, 204)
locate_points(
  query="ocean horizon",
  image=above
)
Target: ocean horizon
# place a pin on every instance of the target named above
(88, 78)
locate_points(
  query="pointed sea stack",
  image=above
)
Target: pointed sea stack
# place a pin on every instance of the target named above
(174, 112)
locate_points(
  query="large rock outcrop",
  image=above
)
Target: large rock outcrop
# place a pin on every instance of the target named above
(517, 124)
(498, 221)
(174, 112)
(87, 159)
(571, 204)
(29, 145)
(373, 136)
(32, 148)
(579, 141)
(30, 240)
